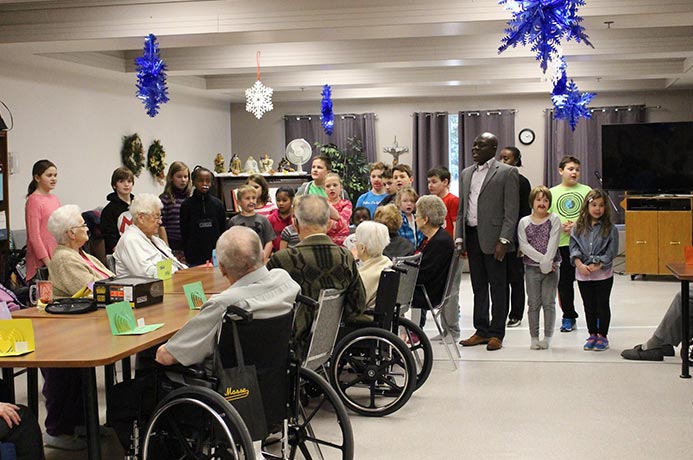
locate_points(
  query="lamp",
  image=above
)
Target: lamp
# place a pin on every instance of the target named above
(3, 125)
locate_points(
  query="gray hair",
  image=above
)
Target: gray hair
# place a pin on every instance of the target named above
(145, 203)
(312, 211)
(374, 236)
(63, 219)
(432, 206)
(239, 251)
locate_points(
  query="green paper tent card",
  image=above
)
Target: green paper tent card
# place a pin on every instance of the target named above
(195, 295)
(164, 269)
(16, 337)
(123, 322)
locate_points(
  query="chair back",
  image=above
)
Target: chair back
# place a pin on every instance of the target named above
(452, 270)
(110, 262)
(41, 274)
(323, 332)
(408, 266)
(265, 345)
(386, 298)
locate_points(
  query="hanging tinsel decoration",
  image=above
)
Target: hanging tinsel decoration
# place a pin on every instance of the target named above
(156, 161)
(327, 117)
(572, 104)
(132, 154)
(258, 98)
(151, 77)
(543, 24)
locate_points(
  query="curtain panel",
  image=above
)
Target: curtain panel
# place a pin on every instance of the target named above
(585, 144)
(431, 145)
(472, 123)
(346, 125)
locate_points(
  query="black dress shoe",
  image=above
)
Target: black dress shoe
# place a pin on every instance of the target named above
(668, 350)
(638, 354)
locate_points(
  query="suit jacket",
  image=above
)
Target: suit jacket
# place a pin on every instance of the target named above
(497, 208)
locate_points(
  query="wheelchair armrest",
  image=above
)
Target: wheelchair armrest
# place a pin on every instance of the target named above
(309, 302)
(196, 371)
(189, 375)
(244, 315)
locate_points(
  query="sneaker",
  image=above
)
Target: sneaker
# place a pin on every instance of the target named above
(591, 343)
(414, 339)
(602, 343)
(534, 344)
(514, 322)
(64, 442)
(568, 325)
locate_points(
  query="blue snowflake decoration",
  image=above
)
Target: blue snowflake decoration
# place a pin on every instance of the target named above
(327, 117)
(572, 105)
(151, 77)
(543, 24)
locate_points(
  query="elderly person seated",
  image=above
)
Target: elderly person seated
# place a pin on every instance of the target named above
(140, 249)
(436, 250)
(371, 239)
(70, 268)
(390, 216)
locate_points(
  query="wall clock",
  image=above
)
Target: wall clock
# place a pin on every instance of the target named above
(526, 136)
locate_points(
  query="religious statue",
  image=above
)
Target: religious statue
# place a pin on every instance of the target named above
(235, 165)
(266, 164)
(251, 166)
(285, 166)
(395, 150)
(219, 163)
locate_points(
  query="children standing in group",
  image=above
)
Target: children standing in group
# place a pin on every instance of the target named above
(264, 205)
(340, 209)
(372, 198)
(40, 204)
(113, 222)
(568, 197)
(406, 201)
(247, 197)
(402, 176)
(202, 219)
(593, 247)
(319, 168)
(280, 218)
(178, 188)
(538, 236)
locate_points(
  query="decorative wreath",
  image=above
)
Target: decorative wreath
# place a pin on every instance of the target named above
(132, 154)
(156, 161)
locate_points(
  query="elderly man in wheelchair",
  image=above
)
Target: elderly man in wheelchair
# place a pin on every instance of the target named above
(192, 421)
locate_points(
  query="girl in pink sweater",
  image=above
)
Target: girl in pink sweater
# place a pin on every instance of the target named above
(40, 204)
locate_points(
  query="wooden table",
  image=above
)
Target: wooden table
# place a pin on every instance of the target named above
(213, 282)
(85, 342)
(684, 273)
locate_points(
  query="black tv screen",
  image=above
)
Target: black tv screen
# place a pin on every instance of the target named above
(648, 157)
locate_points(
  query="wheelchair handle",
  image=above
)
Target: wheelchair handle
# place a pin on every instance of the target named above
(307, 301)
(399, 269)
(245, 315)
(410, 263)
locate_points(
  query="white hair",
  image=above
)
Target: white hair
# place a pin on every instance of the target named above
(433, 207)
(239, 251)
(145, 203)
(374, 236)
(63, 219)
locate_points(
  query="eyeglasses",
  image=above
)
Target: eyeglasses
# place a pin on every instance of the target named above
(155, 217)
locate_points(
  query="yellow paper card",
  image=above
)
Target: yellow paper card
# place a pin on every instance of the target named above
(164, 269)
(16, 337)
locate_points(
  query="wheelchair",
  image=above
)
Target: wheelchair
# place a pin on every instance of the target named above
(372, 369)
(305, 418)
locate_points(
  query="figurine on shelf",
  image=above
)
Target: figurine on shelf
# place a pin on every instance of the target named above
(235, 166)
(219, 163)
(266, 164)
(285, 166)
(251, 166)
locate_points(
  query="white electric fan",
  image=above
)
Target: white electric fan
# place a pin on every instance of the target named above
(298, 152)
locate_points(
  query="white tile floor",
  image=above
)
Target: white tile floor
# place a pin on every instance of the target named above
(517, 403)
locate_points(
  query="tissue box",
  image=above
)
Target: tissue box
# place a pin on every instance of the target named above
(139, 291)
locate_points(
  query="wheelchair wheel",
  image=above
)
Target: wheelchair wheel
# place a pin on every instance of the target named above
(195, 423)
(420, 347)
(319, 430)
(373, 372)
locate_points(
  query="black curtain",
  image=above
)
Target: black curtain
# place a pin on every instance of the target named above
(431, 145)
(309, 128)
(585, 144)
(472, 123)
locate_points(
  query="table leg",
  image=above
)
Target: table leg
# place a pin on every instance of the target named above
(685, 309)
(8, 378)
(91, 409)
(32, 390)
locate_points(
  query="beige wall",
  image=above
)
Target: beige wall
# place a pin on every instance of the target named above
(254, 137)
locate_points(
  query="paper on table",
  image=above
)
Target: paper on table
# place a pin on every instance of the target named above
(16, 337)
(195, 295)
(122, 320)
(164, 269)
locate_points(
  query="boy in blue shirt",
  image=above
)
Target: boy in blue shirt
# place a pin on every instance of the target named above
(372, 198)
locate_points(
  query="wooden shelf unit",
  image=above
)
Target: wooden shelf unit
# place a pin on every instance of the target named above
(658, 228)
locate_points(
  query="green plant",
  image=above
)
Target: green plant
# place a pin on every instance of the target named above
(352, 165)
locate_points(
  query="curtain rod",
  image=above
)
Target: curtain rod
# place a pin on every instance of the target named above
(617, 108)
(476, 113)
(340, 115)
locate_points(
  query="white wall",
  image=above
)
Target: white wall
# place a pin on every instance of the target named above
(78, 121)
(256, 137)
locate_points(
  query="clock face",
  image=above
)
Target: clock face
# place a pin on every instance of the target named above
(526, 136)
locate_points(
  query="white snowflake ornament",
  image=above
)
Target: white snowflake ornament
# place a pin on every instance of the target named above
(258, 99)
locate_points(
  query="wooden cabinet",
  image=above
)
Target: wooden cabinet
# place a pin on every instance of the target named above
(4, 193)
(657, 230)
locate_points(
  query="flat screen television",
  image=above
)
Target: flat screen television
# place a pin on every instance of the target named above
(652, 158)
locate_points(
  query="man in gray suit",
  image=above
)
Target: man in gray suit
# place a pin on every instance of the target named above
(486, 220)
